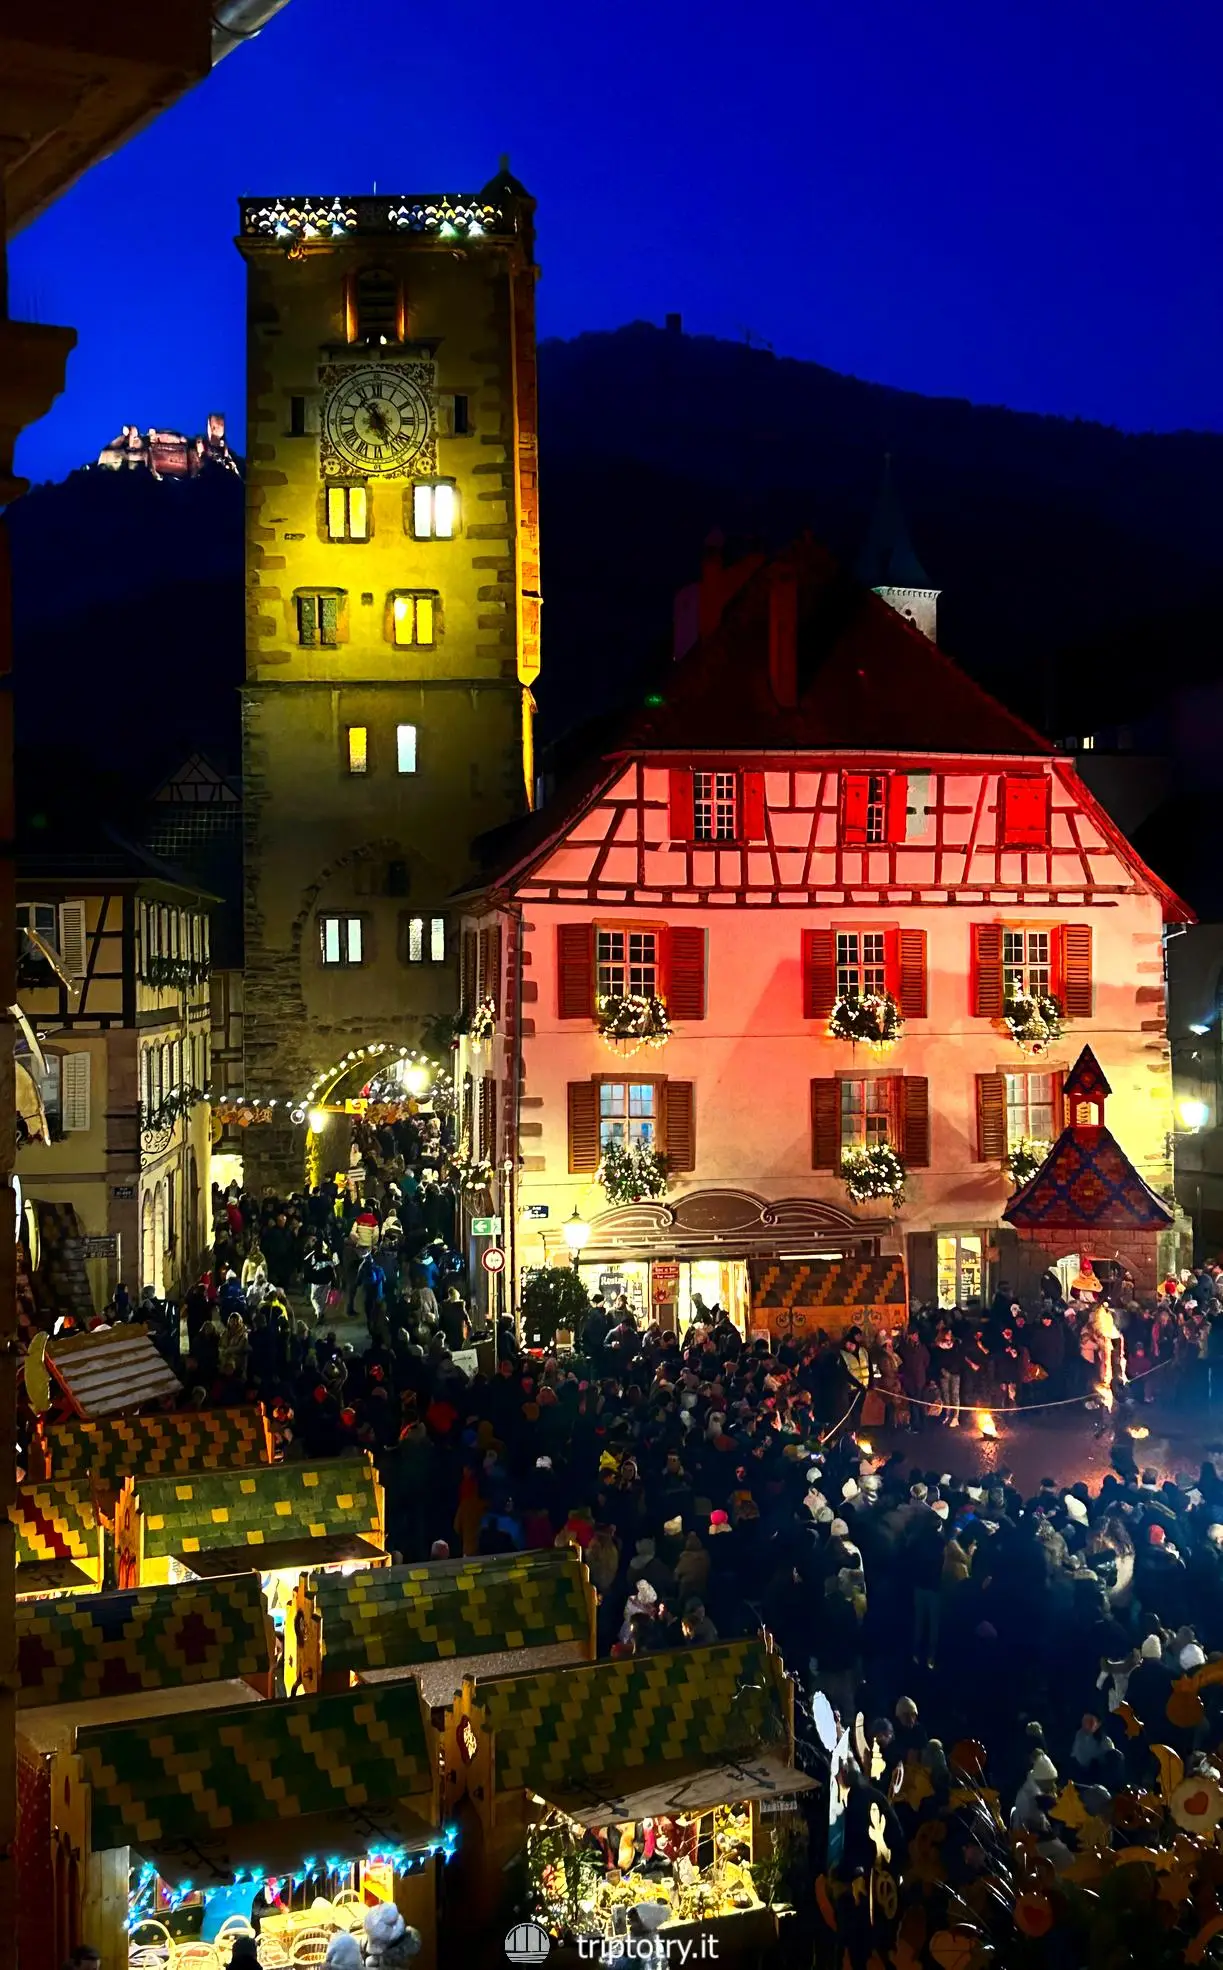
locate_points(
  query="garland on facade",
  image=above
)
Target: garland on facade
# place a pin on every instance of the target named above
(1034, 1020)
(873, 1020)
(179, 1101)
(632, 1172)
(181, 972)
(482, 1024)
(631, 1020)
(873, 1173)
(1024, 1160)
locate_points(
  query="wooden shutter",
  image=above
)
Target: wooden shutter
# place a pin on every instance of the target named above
(898, 806)
(72, 938)
(679, 804)
(987, 994)
(685, 972)
(915, 1121)
(825, 1125)
(1076, 994)
(488, 1118)
(855, 795)
(575, 971)
(583, 1128)
(680, 1118)
(1059, 1103)
(74, 1090)
(991, 1118)
(471, 972)
(819, 973)
(911, 974)
(753, 807)
(490, 964)
(1024, 802)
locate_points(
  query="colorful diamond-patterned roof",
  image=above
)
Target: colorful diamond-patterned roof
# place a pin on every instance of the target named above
(558, 1729)
(55, 1522)
(99, 1645)
(473, 1613)
(258, 1506)
(189, 1776)
(1087, 1183)
(157, 1445)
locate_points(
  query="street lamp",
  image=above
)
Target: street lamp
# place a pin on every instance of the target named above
(577, 1231)
(1193, 1114)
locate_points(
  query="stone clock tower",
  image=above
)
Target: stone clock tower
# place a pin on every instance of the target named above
(392, 598)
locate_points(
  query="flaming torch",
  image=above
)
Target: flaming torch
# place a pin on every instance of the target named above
(986, 1424)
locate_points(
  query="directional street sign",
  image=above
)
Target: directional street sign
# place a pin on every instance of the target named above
(486, 1228)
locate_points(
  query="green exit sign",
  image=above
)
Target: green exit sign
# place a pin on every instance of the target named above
(486, 1227)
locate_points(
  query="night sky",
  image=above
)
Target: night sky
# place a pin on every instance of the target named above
(1017, 204)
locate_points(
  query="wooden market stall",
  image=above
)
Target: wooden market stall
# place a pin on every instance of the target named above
(110, 1371)
(283, 1519)
(313, 1809)
(108, 1659)
(795, 1299)
(440, 1622)
(58, 1538)
(642, 1780)
(163, 1443)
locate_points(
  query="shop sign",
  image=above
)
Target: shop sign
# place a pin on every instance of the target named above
(664, 1281)
(100, 1248)
(486, 1227)
(469, 1744)
(467, 1359)
(611, 1285)
(123, 1191)
(535, 1212)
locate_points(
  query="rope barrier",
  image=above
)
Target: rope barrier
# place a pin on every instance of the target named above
(827, 1438)
(1018, 1408)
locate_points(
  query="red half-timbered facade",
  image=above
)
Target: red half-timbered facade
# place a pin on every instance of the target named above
(814, 805)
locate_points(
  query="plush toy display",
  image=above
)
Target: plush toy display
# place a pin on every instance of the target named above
(390, 1942)
(343, 1953)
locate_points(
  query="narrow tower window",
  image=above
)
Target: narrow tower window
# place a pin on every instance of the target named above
(347, 513)
(358, 749)
(405, 748)
(377, 309)
(435, 510)
(413, 619)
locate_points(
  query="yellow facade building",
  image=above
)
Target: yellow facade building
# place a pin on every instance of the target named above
(392, 610)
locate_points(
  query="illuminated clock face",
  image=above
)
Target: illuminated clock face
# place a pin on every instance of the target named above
(377, 420)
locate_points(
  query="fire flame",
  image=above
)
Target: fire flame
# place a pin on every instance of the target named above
(986, 1423)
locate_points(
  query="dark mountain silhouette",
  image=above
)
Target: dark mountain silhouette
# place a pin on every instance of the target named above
(1079, 564)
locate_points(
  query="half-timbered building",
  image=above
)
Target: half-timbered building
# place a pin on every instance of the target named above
(815, 804)
(113, 968)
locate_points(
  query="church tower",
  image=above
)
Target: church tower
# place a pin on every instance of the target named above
(392, 594)
(888, 562)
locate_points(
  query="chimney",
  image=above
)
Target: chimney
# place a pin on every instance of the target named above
(783, 633)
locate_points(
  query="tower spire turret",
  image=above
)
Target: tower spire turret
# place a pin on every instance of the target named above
(888, 562)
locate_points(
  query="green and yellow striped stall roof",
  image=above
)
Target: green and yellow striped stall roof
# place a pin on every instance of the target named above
(160, 1445)
(258, 1506)
(477, 1611)
(555, 1729)
(153, 1638)
(193, 1775)
(55, 1522)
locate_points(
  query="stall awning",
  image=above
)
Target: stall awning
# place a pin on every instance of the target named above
(641, 1795)
(115, 1369)
(284, 1846)
(282, 1555)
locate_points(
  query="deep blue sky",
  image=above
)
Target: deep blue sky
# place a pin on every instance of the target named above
(1017, 202)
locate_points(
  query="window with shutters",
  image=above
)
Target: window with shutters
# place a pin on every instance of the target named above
(347, 513)
(413, 618)
(1027, 963)
(628, 1112)
(874, 808)
(866, 1112)
(341, 940)
(74, 1072)
(1024, 803)
(715, 806)
(318, 617)
(626, 963)
(1030, 1108)
(861, 968)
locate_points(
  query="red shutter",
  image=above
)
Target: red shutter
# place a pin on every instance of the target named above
(987, 994)
(911, 974)
(825, 1125)
(1075, 979)
(583, 1128)
(855, 794)
(915, 1121)
(819, 973)
(1024, 800)
(680, 1115)
(471, 968)
(685, 972)
(991, 1118)
(679, 804)
(753, 807)
(1059, 1103)
(490, 1144)
(898, 806)
(575, 971)
(484, 1148)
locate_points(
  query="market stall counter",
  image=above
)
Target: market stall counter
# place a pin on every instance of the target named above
(648, 1783)
(59, 1537)
(281, 1519)
(440, 1623)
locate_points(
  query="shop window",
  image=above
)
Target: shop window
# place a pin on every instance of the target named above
(960, 1268)
(358, 749)
(341, 940)
(628, 1112)
(714, 807)
(318, 618)
(866, 1112)
(1031, 1106)
(626, 963)
(413, 619)
(347, 513)
(435, 510)
(1027, 963)
(861, 966)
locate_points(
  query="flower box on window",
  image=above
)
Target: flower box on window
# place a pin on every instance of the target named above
(632, 1020)
(1034, 1021)
(483, 1023)
(632, 1172)
(871, 1019)
(873, 1173)
(1023, 1161)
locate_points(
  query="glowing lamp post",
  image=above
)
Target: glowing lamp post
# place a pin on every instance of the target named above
(577, 1231)
(1194, 1115)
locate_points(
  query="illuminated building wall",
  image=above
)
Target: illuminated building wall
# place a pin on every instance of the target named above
(392, 585)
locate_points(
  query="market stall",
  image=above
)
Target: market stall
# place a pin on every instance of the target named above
(281, 1519)
(108, 1659)
(630, 1784)
(308, 1811)
(164, 1443)
(58, 1538)
(479, 1617)
(110, 1371)
(793, 1299)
